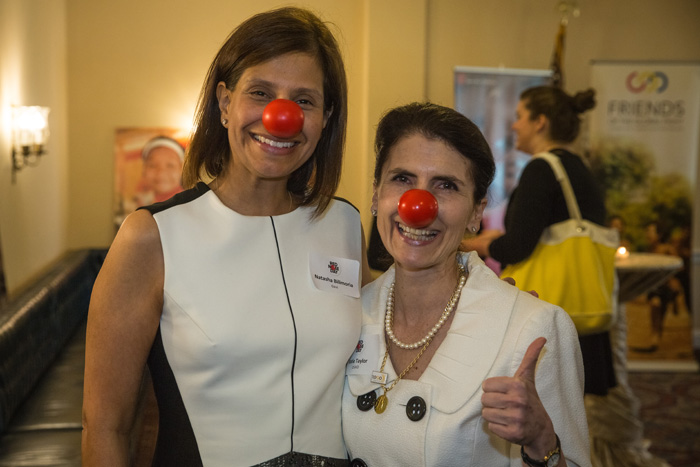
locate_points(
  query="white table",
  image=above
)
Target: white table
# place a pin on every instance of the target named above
(639, 273)
(617, 433)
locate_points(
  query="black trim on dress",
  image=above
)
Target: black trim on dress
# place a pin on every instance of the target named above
(180, 198)
(294, 325)
(176, 443)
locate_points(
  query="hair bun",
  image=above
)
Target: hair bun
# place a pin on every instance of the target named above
(583, 100)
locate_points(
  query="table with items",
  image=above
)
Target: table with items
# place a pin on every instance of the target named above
(617, 432)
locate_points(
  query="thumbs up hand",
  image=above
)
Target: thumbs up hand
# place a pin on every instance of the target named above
(513, 409)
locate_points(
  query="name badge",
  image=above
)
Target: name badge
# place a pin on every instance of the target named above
(363, 360)
(378, 377)
(337, 275)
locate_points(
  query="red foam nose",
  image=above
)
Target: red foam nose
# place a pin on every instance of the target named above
(283, 118)
(418, 208)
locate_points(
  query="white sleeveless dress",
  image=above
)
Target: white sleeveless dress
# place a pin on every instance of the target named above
(249, 359)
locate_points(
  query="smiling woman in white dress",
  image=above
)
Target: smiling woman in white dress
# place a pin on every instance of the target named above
(217, 289)
(454, 366)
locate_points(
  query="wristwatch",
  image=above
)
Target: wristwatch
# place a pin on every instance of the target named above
(550, 460)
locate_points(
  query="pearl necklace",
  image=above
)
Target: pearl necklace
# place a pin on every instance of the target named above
(389, 318)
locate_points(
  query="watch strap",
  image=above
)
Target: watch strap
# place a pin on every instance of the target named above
(543, 463)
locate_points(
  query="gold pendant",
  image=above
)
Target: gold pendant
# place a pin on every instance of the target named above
(380, 405)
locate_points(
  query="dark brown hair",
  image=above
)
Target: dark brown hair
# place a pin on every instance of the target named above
(442, 123)
(561, 109)
(258, 39)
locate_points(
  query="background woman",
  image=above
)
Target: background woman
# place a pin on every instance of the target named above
(217, 287)
(548, 120)
(452, 366)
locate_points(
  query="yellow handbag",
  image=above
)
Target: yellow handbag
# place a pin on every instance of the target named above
(573, 265)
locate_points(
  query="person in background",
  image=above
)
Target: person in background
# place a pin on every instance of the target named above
(681, 241)
(454, 365)
(548, 120)
(618, 223)
(228, 291)
(666, 294)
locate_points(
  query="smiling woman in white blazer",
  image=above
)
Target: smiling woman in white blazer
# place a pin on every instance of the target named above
(454, 366)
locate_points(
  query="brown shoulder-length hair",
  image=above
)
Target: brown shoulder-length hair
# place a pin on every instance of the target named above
(258, 39)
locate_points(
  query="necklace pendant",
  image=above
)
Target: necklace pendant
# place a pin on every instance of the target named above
(380, 405)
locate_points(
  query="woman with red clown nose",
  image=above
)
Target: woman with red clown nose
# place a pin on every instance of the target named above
(223, 291)
(456, 366)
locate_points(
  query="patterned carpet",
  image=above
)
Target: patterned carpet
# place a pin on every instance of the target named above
(670, 410)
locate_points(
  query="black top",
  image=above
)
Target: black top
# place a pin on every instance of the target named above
(377, 256)
(539, 202)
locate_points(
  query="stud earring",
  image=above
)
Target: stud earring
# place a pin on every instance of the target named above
(473, 229)
(374, 212)
(224, 121)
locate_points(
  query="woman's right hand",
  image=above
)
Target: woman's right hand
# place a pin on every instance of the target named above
(514, 411)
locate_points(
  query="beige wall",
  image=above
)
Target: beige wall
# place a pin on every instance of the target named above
(139, 63)
(388, 76)
(33, 71)
(520, 34)
(136, 63)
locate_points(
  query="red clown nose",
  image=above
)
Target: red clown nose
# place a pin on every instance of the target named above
(418, 208)
(283, 118)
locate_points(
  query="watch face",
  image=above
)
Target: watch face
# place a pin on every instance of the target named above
(554, 460)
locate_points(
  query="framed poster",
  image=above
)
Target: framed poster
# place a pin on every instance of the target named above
(147, 167)
(488, 97)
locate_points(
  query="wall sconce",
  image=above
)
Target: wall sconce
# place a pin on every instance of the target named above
(30, 135)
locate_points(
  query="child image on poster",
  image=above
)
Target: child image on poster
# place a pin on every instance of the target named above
(162, 170)
(147, 167)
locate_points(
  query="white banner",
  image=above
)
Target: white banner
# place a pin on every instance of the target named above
(644, 148)
(653, 104)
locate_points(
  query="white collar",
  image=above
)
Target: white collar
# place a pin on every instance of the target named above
(466, 355)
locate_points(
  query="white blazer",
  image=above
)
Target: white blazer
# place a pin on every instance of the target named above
(493, 326)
